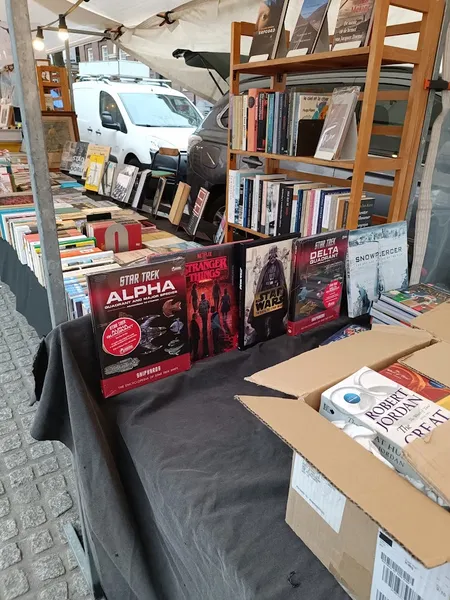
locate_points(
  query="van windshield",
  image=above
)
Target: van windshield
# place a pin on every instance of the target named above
(160, 110)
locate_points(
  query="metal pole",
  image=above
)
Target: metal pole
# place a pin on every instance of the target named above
(102, 34)
(69, 73)
(27, 88)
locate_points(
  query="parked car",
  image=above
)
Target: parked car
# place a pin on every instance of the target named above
(207, 148)
(135, 119)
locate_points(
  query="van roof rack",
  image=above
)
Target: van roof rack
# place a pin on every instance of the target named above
(127, 79)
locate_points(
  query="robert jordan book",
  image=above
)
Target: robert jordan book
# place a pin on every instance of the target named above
(212, 299)
(317, 280)
(140, 326)
(264, 288)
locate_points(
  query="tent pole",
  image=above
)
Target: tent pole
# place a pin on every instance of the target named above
(69, 73)
(26, 82)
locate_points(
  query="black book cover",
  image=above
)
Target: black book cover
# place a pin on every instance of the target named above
(317, 280)
(280, 121)
(284, 125)
(262, 123)
(251, 183)
(79, 158)
(139, 316)
(309, 25)
(268, 29)
(365, 212)
(287, 194)
(212, 299)
(264, 286)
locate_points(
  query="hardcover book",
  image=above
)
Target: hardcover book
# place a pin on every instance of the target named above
(416, 382)
(137, 195)
(67, 155)
(309, 27)
(354, 24)
(158, 195)
(416, 299)
(212, 299)
(197, 211)
(317, 280)
(107, 182)
(78, 160)
(268, 30)
(264, 288)
(179, 203)
(124, 183)
(95, 172)
(139, 320)
(338, 121)
(97, 150)
(345, 332)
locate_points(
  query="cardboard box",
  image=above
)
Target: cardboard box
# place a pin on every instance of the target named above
(380, 537)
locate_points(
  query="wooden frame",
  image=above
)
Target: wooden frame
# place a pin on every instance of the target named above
(59, 127)
(54, 78)
(371, 57)
(6, 118)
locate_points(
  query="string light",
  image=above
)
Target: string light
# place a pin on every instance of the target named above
(63, 33)
(38, 42)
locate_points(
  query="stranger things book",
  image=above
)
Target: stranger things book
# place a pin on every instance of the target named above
(139, 320)
(212, 299)
(317, 280)
(264, 287)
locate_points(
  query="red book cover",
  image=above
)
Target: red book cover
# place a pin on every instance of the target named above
(139, 320)
(426, 387)
(118, 237)
(212, 299)
(318, 275)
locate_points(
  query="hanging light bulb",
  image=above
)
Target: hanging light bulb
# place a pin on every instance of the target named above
(63, 34)
(38, 42)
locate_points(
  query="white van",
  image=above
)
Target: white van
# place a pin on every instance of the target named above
(135, 119)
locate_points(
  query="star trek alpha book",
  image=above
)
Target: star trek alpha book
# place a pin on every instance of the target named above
(264, 287)
(140, 324)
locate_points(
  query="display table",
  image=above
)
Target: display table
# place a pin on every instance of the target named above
(31, 297)
(183, 492)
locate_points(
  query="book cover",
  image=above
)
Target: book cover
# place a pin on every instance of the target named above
(124, 183)
(340, 112)
(16, 199)
(416, 382)
(137, 195)
(309, 25)
(97, 150)
(107, 182)
(140, 324)
(268, 29)
(179, 203)
(78, 160)
(416, 299)
(264, 288)
(354, 22)
(362, 271)
(393, 252)
(95, 172)
(261, 126)
(345, 332)
(212, 299)
(317, 280)
(67, 155)
(117, 236)
(197, 211)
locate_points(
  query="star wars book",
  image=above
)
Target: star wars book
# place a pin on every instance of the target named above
(268, 29)
(139, 320)
(212, 299)
(317, 280)
(264, 288)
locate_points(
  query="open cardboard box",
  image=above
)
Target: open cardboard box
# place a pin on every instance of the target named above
(370, 527)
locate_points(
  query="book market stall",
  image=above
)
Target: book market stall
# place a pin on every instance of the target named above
(202, 385)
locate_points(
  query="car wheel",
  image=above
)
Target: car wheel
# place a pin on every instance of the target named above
(216, 210)
(134, 162)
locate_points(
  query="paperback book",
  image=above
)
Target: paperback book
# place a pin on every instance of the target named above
(139, 320)
(264, 289)
(212, 299)
(124, 183)
(179, 203)
(95, 172)
(67, 155)
(345, 332)
(78, 160)
(158, 195)
(310, 27)
(354, 24)
(107, 183)
(416, 382)
(197, 211)
(317, 280)
(416, 299)
(268, 30)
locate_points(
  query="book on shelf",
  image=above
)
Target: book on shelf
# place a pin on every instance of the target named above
(137, 195)
(197, 211)
(78, 159)
(179, 203)
(158, 195)
(264, 285)
(94, 172)
(124, 182)
(220, 233)
(354, 24)
(311, 31)
(339, 137)
(415, 299)
(318, 266)
(140, 328)
(212, 299)
(269, 29)
(377, 261)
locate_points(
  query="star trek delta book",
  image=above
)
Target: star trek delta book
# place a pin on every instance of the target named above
(139, 318)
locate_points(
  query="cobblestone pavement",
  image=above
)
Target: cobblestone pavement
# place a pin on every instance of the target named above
(37, 493)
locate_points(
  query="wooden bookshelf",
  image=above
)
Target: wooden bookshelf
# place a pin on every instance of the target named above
(53, 78)
(372, 58)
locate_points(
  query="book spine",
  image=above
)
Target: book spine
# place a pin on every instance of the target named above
(245, 202)
(244, 122)
(252, 119)
(248, 216)
(269, 132)
(276, 122)
(284, 125)
(241, 293)
(288, 210)
(320, 212)
(279, 116)
(309, 225)
(260, 120)
(260, 205)
(293, 213)
(231, 194)
(237, 199)
(290, 97)
(269, 207)
(281, 206)
(345, 215)
(326, 213)
(299, 212)
(255, 204)
(293, 293)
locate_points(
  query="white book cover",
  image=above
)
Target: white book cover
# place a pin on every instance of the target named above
(362, 271)
(393, 242)
(255, 204)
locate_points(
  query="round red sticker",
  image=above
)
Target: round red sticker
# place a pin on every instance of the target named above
(332, 294)
(121, 337)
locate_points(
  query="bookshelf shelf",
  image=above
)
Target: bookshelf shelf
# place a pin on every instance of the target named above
(372, 58)
(374, 163)
(247, 230)
(328, 61)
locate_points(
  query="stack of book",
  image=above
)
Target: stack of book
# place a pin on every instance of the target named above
(400, 307)
(273, 205)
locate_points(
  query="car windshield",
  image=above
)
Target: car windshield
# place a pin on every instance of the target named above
(160, 110)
